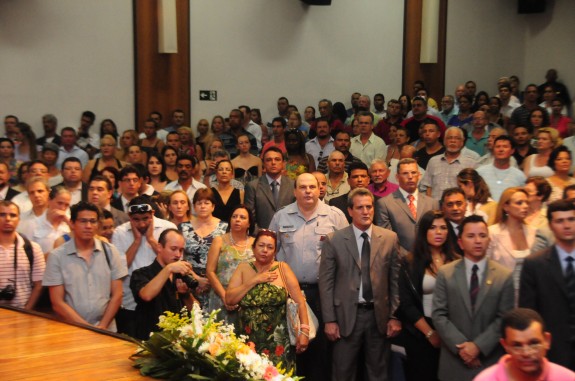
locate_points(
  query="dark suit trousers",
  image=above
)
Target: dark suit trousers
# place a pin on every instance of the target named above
(314, 363)
(367, 340)
(422, 358)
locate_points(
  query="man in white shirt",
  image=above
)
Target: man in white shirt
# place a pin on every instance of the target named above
(137, 241)
(322, 144)
(367, 146)
(185, 166)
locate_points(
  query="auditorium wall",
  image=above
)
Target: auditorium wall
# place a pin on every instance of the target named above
(64, 57)
(489, 39)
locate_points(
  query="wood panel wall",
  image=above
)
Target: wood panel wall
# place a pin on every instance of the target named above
(162, 81)
(432, 74)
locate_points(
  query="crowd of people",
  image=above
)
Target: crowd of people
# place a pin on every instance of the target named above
(424, 224)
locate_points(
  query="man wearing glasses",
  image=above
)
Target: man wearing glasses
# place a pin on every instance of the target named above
(130, 182)
(84, 275)
(137, 240)
(526, 343)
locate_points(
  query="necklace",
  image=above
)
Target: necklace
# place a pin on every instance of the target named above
(245, 245)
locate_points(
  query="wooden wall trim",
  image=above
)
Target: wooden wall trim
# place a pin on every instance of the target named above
(432, 74)
(162, 81)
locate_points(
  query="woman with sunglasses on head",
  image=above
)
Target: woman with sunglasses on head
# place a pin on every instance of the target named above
(261, 287)
(199, 234)
(226, 253)
(435, 248)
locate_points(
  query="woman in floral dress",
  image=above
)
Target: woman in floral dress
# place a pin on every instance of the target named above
(259, 290)
(226, 253)
(298, 161)
(199, 233)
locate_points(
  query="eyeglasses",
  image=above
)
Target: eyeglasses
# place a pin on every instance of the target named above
(518, 349)
(142, 208)
(267, 232)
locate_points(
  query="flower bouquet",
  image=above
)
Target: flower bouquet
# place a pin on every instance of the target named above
(193, 345)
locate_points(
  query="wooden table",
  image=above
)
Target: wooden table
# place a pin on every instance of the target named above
(38, 348)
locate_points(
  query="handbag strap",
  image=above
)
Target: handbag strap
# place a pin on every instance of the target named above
(284, 279)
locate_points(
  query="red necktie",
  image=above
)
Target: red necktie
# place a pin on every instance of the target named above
(411, 205)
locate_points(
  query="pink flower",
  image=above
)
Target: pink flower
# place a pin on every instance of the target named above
(270, 373)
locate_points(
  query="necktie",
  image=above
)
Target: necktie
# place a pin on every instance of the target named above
(365, 259)
(474, 286)
(570, 285)
(275, 192)
(411, 205)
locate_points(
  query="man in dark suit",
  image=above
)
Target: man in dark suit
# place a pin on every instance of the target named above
(100, 193)
(6, 193)
(272, 191)
(547, 283)
(471, 294)
(401, 210)
(358, 284)
(357, 177)
(72, 180)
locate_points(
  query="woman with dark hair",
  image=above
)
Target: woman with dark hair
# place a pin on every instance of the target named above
(557, 120)
(199, 233)
(494, 115)
(247, 166)
(394, 149)
(7, 157)
(113, 175)
(465, 115)
(157, 171)
(309, 115)
(538, 118)
(511, 238)
(405, 102)
(107, 158)
(298, 160)
(261, 288)
(481, 98)
(226, 253)
(416, 284)
(226, 196)
(537, 164)
(170, 156)
(560, 161)
(538, 192)
(108, 127)
(25, 141)
(256, 117)
(339, 111)
(477, 194)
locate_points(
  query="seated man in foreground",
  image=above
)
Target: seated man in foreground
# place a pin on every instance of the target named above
(526, 343)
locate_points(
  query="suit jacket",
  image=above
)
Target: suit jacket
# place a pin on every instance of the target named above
(119, 216)
(500, 244)
(42, 140)
(259, 200)
(84, 190)
(340, 277)
(11, 193)
(456, 323)
(340, 202)
(542, 288)
(392, 212)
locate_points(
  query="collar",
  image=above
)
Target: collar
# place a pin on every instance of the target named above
(270, 180)
(358, 232)
(482, 264)
(405, 194)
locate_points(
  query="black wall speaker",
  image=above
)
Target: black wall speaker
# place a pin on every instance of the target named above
(531, 6)
(317, 2)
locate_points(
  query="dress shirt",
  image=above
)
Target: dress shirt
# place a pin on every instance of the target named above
(74, 152)
(313, 148)
(374, 148)
(563, 257)
(482, 265)
(414, 194)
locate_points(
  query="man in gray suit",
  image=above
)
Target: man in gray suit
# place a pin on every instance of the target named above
(471, 294)
(401, 210)
(358, 284)
(272, 191)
